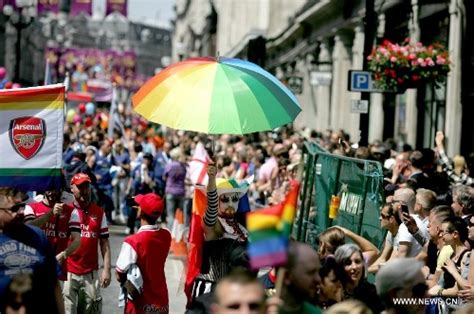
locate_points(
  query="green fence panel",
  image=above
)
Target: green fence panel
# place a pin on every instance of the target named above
(358, 183)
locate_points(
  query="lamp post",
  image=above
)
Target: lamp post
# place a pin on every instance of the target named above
(60, 37)
(20, 18)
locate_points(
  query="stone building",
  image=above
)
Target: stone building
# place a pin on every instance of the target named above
(150, 43)
(311, 45)
(326, 39)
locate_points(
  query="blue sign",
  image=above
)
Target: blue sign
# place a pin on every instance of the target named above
(361, 81)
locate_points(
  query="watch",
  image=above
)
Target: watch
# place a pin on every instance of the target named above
(440, 292)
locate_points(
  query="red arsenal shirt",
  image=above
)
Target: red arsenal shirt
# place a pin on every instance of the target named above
(56, 228)
(92, 224)
(148, 249)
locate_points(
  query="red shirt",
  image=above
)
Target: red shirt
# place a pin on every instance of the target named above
(148, 249)
(92, 224)
(56, 228)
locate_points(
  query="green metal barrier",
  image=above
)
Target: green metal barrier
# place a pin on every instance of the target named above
(358, 183)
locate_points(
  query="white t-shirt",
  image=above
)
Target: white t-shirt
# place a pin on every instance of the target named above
(403, 235)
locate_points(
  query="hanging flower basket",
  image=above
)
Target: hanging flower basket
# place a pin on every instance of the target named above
(398, 67)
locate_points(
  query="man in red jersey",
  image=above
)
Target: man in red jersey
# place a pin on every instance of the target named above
(53, 218)
(88, 219)
(147, 249)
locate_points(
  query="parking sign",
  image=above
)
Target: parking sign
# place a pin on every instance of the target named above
(361, 81)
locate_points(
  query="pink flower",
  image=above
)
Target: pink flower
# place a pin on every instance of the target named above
(420, 60)
(414, 63)
(430, 62)
(393, 59)
(440, 60)
(412, 56)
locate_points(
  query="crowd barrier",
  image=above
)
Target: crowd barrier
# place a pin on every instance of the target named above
(338, 190)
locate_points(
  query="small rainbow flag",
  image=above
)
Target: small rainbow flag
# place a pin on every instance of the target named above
(269, 231)
(31, 137)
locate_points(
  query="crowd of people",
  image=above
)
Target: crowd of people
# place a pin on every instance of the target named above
(141, 176)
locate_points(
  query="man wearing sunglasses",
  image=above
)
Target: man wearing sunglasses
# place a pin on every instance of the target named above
(53, 217)
(25, 249)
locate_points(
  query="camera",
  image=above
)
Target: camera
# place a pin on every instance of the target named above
(130, 201)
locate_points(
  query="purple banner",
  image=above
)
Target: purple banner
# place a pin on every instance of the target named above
(90, 63)
(119, 6)
(48, 6)
(78, 6)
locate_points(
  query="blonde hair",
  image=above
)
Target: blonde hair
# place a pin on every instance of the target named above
(333, 238)
(349, 307)
(459, 164)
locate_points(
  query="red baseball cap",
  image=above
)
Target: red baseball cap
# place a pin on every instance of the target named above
(151, 204)
(80, 178)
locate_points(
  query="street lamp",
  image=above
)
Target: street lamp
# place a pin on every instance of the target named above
(20, 19)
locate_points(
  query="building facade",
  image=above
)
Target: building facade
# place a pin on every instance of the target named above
(311, 45)
(152, 45)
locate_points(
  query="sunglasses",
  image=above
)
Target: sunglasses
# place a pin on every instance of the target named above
(225, 199)
(15, 207)
(385, 216)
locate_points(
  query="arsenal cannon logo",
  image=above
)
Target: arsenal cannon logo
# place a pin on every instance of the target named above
(27, 135)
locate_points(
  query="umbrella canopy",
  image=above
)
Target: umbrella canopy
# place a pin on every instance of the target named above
(224, 96)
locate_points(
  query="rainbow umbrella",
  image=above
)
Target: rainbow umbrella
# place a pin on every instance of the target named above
(216, 96)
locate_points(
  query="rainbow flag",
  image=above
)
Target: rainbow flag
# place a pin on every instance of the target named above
(31, 137)
(269, 231)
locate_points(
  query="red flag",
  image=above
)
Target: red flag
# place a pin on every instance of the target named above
(195, 241)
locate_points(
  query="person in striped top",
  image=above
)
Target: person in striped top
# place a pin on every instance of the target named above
(223, 233)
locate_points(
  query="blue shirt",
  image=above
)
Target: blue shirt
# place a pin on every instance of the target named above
(25, 249)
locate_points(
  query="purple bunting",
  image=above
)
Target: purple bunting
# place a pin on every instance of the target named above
(48, 6)
(78, 6)
(119, 6)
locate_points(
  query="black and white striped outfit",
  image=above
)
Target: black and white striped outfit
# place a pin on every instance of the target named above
(210, 218)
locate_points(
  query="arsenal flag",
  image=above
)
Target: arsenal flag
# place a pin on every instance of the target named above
(31, 137)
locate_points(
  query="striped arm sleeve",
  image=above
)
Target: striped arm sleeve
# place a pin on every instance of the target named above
(104, 228)
(75, 222)
(28, 213)
(210, 218)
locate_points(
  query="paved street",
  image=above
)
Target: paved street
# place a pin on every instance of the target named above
(174, 273)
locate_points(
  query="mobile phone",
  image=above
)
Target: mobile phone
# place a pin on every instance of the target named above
(130, 202)
(404, 209)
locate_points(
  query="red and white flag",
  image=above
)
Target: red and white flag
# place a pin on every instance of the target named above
(198, 165)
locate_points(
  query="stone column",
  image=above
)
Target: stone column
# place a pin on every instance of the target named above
(411, 108)
(453, 92)
(376, 118)
(307, 117)
(357, 64)
(340, 102)
(323, 92)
